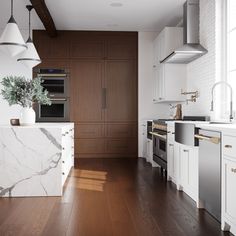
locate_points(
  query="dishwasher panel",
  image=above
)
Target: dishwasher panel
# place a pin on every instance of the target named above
(210, 172)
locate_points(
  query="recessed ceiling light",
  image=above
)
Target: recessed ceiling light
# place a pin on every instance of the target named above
(116, 4)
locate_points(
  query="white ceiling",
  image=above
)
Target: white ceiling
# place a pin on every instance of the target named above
(134, 15)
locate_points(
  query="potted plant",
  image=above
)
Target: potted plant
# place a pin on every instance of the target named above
(24, 92)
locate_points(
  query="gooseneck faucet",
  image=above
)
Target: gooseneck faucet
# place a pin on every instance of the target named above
(231, 98)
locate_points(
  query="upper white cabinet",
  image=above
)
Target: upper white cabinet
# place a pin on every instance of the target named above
(167, 41)
(168, 79)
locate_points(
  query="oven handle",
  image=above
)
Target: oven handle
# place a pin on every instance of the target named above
(58, 99)
(158, 135)
(52, 75)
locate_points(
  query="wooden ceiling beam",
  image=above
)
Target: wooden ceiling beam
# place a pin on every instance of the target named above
(45, 16)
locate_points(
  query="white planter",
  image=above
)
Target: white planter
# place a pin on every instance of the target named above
(27, 116)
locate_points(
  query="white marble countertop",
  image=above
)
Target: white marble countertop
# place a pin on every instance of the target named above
(39, 125)
(207, 125)
(218, 127)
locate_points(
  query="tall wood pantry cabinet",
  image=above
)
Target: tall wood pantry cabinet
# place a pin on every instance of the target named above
(103, 88)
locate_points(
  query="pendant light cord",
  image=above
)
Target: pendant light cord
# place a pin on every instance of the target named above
(11, 7)
(29, 24)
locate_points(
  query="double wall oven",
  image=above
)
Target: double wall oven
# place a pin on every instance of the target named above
(56, 82)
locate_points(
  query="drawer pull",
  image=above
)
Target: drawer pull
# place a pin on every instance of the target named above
(228, 146)
(233, 170)
(168, 132)
(186, 150)
(63, 162)
(173, 132)
(63, 173)
(63, 148)
(171, 145)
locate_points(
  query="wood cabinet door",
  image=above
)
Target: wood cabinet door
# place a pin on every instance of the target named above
(121, 91)
(87, 84)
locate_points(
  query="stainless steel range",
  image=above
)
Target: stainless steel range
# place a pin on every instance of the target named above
(159, 133)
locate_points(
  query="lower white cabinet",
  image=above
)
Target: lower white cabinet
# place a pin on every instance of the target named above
(67, 154)
(171, 153)
(188, 170)
(229, 184)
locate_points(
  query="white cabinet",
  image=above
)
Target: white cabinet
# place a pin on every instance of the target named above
(228, 184)
(149, 151)
(168, 79)
(169, 39)
(171, 157)
(67, 154)
(188, 170)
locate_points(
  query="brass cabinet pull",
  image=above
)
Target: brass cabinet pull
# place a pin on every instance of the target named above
(228, 146)
(233, 170)
(214, 140)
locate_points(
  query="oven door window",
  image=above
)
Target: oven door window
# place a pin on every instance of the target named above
(54, 85)
(162, 145)
(55, 110)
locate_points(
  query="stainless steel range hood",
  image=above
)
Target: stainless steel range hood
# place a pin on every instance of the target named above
(191, 50)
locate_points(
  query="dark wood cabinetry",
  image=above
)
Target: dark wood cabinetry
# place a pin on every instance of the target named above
(103, 88)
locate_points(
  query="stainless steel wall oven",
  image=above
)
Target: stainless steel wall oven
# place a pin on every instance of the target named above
(56, 82)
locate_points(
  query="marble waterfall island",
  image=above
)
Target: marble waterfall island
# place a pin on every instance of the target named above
(35, 160)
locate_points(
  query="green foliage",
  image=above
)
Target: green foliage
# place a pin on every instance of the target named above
(21, 91)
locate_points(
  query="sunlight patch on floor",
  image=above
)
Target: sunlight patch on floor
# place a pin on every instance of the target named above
(89, 180)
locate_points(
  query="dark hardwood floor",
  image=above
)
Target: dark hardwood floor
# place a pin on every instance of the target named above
(109, 197)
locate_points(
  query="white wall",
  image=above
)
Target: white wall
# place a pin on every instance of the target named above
(205, 71)
(147, 109)
(9, 66)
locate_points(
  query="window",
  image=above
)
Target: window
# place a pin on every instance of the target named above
(230, 32)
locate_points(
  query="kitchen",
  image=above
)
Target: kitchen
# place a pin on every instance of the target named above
(132, 131)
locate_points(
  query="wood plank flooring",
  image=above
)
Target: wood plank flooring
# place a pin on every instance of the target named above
(105, 197)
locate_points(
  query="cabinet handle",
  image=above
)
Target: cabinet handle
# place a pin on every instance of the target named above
(186, 150)
(228, 146)
(63, 148)
(233, 170)
(173, 132)
(171, 145)
(63, 162)
(67, 132)
(104, 98)
(168, 132)
(63, 173)
(154, 66)
(160, 98)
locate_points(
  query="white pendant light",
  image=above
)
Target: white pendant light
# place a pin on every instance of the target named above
(11, 40)
(30, 57)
